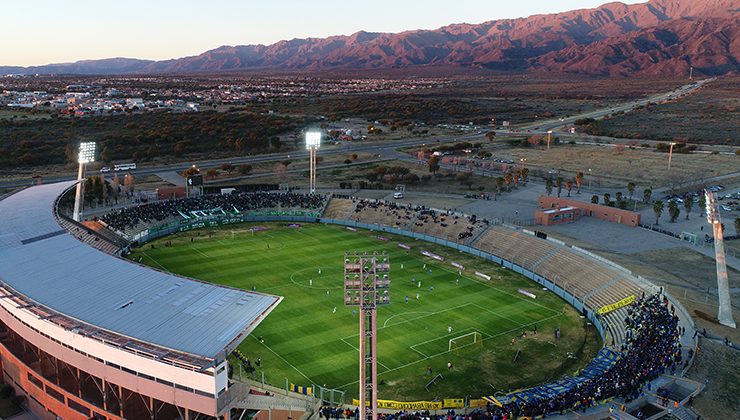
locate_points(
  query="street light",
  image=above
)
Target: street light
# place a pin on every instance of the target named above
(313, 142)
(85, 155)
(589, 179)
(523, 161)
(549, 133)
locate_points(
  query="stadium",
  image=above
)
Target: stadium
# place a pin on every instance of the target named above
(172, 309)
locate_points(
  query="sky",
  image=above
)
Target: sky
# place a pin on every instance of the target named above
(36, 32)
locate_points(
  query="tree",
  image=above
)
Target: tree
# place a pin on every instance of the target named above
(239, 145)
(594, 199)
(568, 185)
(631, 188)
(211, 173)
(559, 183)
(607, 198)
(190, 171)
(491, 135)
(646, 194)
(618, 197)
(688, 203)
(500, 183)
(658, 210)
(548, 186)
(105, 154)
(434, 164)
(579, 180)
(507, 180)
(286, 162)
(517, 175)
(245, 169)
(227, 167)
(354, 156)
(525, 175)
(70, 153)
(673, 210)
(737, 226)
(702, 203)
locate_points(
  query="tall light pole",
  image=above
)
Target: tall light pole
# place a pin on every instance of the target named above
(724, 313)
(670, 154)
(589, 179)
(367, 285)
(549, 133)
(523, 162)
(86, 154)
(313, 142)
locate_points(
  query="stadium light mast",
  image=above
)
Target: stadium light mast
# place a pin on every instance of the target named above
(724, 313)
(549, 133)
(670, 154)
(313, 142)
(367, 284)
(85, 155)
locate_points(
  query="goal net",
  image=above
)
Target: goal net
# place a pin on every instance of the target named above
(465, 340)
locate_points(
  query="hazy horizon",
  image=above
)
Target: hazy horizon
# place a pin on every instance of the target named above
(46, 32)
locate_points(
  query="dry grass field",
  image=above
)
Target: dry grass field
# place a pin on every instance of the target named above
(616, 166)
(707, 116)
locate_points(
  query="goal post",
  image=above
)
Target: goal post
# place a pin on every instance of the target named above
(465, 340)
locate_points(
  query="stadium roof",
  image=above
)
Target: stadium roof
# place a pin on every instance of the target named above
(49, 266)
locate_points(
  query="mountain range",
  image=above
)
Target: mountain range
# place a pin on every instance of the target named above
(656, 38)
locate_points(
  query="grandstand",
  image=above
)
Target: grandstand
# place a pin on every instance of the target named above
(87, 334)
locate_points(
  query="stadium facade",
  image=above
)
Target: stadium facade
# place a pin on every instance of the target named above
(86, 334)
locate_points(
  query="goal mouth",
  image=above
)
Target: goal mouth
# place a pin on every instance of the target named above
(465, 340)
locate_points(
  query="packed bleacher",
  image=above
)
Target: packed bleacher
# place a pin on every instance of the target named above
(131, 218)
(443, 224)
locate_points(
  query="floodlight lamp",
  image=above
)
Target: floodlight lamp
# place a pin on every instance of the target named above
(313, 139)
(87, 152)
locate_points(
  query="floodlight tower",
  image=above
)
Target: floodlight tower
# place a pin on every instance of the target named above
(670, 154)
(313, 142)
(367, 285)
(724, 314)
(549, 133)
(85, 155)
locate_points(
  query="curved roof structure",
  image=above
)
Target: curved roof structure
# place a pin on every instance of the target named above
(51, 268)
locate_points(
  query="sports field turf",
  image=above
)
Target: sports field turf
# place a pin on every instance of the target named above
(311, 338)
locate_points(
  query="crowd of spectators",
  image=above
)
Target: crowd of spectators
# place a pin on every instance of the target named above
(652, 347)
(400, 214)
(130, 217)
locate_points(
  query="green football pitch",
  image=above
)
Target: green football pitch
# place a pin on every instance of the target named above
(311, 338)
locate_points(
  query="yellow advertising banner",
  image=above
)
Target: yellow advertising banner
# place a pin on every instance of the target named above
(453, 403)
(405, 405)
(614, 306)
(478, 403)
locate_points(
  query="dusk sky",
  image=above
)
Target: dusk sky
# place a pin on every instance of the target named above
(51, 31)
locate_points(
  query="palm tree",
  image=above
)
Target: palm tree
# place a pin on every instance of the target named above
(673, 210)
(688, 203)
(594, 199)
(631, 188)
(525, 175)
(559, 183)
(568, 185)
(607, 198)
(658, 210)
(702, 204)
(579, 180)
(507, 180)
(548, 186)
(646, 194)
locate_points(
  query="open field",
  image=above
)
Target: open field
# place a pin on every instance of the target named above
(616, 166)
(707, 116)
(312, 339)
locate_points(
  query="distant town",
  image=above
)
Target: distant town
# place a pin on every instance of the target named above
(110, 96)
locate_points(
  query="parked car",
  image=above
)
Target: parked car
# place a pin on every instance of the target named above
(104, 169)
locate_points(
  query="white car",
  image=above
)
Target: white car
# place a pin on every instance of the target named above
(398, 195)
(104, 169)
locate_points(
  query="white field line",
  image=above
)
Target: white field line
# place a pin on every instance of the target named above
(155, 261)
(447, 351)
(283, 359)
